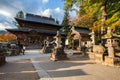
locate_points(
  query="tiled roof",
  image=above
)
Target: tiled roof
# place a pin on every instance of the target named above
(82, 30)
(26, 30)
(41, 19)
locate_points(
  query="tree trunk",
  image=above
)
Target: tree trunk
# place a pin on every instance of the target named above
(104, 14)
(103, 10)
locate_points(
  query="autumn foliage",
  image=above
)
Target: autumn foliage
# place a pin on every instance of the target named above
(7, 37)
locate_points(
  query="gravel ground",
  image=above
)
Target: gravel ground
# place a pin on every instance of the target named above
(18, 70)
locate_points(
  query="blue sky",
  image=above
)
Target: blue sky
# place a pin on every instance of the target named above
(9, 8)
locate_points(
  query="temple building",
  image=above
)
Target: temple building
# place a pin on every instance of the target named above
(34, 29)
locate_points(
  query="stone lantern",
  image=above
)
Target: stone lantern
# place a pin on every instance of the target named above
(110, 59)
(109, 42)
(110, 46)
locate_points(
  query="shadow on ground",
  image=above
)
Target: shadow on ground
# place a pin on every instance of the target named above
(65, 68)
(67, 73)
(18, 70)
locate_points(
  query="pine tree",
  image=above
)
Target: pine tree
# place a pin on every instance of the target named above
(96, 14)
(20, 14)
(65, 22)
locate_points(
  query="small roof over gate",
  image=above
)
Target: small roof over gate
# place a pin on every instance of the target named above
(79, 33)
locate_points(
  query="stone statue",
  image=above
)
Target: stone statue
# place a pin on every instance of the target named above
(58, 40)
(46, 48)
(58, 51)
(46, 42)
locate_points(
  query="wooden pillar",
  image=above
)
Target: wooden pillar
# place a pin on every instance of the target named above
(72, 43)
(79, 43)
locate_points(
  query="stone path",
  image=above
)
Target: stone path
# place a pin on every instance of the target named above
(76, 68)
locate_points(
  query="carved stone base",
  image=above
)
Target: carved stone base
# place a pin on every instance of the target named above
(46, 50)
(91, 55)
(58, 54)
(109, 60)
(98, 58)
(2, 58)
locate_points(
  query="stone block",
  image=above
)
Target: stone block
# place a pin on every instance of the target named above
(112, 61)
(2, 58)
(91, 56)
(58, 54)
(109, 60)
(98, 58)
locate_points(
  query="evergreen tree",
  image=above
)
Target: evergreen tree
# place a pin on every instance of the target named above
(105, 12)
(20, 14)
(57, 21)
(97, 14)
(65, 22)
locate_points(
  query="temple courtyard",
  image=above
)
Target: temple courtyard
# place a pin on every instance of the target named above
(35, 65)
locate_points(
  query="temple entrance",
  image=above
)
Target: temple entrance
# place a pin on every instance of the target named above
(78, 39)
(34, 29)
(34, 42)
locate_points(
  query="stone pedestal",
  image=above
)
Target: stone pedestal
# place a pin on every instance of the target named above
(98, 58)
(91, 56)
(46, 50)
(2, 58)
(109, 60)
(111, 52)
(47, 47)
(58, 54)
(112, 61)
(110, 46)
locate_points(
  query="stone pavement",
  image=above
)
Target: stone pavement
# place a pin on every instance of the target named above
(76, 68)
(28, 55)
(18, 70)
(20, 67)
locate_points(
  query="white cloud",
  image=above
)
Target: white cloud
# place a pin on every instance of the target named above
(5, 13)
(72, 13)
(6, 23)
(58, 10)
(15, 4)
(4, 26)
(56, 13)
(46, 12)
(45, 1)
